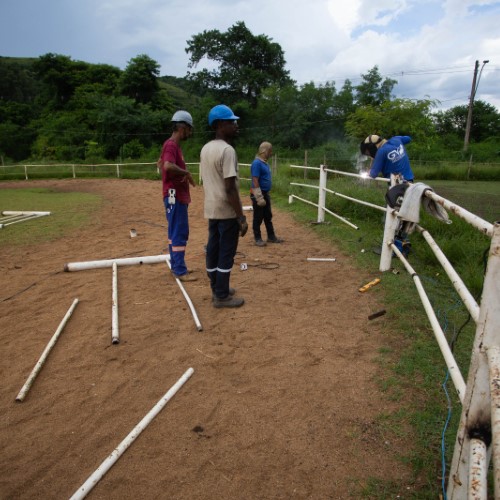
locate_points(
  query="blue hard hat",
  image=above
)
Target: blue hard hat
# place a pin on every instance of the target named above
(221, 112)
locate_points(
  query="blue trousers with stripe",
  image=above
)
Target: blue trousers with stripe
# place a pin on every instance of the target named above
(223, 235)
(178, 235)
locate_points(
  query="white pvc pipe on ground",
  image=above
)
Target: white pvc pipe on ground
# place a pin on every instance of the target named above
(132, 436)
(99, 264)
(13, 212)
(321, 259)
(455, 374)
(26, 387)
(188, 300)
(115, 333)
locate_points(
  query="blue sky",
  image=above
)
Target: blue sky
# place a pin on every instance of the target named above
(428, 46)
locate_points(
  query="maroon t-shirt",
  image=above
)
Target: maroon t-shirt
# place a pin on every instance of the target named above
(171, 151)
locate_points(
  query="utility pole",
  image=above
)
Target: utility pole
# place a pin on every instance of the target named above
(471, 103)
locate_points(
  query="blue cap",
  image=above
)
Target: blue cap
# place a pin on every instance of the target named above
(221, 112)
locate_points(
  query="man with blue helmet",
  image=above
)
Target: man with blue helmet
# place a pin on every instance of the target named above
(222, 206)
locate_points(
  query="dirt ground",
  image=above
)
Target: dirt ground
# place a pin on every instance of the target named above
(283, 402)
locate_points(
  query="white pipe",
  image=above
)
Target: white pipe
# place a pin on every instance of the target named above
(483, 226)
(455, 374)
(22, 393)
(188, 300)
(493, 354)
(364, 177)
(478, 470)
(340, 195)
(305, 168)
(322, 194)
(96, 476)
(321, 259)
(13, 212)
(326, 210)
(98, 264)
(23, 219)
(458, 284)
(115, 333)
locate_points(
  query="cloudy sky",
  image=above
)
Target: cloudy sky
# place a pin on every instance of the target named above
(428, 46)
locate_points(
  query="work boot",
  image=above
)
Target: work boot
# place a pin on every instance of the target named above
(185, 277)
(260, 242)
(275, 240)
(228, 302)
(232, 291)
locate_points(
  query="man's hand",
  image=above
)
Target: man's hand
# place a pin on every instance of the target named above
(242, 221)
(190, 179)
(259, 197)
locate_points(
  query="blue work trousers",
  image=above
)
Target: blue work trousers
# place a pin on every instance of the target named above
(223, 236)
(178, 235)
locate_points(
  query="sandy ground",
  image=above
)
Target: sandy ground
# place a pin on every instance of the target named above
(283, 403)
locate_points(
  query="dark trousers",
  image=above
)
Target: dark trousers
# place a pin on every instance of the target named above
(262, 214)
(223, 235)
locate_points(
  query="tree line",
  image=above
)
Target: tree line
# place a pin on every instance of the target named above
(57, 109)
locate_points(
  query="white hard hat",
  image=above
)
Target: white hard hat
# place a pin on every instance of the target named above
(182, 116)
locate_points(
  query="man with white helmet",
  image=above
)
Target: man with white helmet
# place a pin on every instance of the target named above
(389, 156)
(176, 197)
(223, 209)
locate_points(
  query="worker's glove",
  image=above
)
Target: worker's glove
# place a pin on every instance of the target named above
(242, 221)
(259, 197)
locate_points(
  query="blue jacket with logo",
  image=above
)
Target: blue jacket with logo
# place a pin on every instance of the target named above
(391, 158)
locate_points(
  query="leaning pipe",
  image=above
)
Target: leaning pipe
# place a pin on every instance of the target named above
(26, 387)
(455, 374)
(122, 447)
(188, 300)
(99, 264)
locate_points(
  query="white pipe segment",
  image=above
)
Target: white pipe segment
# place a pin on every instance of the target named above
(13, 212)
(26, 387)
(321, 259)
(326, 210)
(98, 264)
(493, 354)
(188, 300)
(478, 470)
(483, 226)
(122, 447)
(115, 333)
(458, 284)
(455, 374)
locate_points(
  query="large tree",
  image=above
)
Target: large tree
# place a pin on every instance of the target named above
(139, 80)
(247, 64)
(374, 90)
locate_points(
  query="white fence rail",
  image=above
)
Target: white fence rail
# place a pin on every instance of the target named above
(478, 436)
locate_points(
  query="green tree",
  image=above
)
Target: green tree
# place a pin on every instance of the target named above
(247, 64)
(139, 80)
(373, 90)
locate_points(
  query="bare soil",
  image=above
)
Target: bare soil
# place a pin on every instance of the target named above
(284, 401)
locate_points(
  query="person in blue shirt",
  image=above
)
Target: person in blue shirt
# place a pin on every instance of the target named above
(261, 201)
(389, 156)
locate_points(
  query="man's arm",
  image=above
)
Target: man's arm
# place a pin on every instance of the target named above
(174, 169)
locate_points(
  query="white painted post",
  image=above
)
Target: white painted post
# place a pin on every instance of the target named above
(391, 224)
(478, 471)
(117, 170)
(322, 193)
(476, 408)
(494, 365)
(73, 169)
(26, 172)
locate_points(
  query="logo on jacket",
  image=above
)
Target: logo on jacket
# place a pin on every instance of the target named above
(396, 154)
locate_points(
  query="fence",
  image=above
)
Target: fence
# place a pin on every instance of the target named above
(478, 435)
